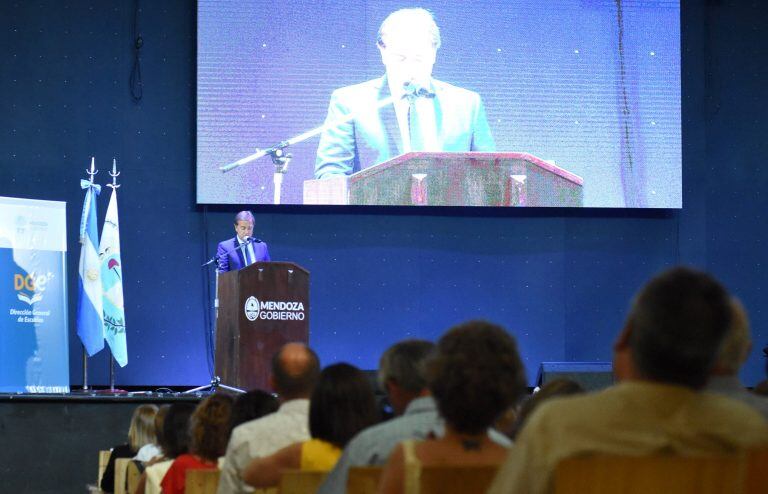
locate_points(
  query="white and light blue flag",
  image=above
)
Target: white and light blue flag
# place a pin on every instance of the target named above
(90, 323)
(112, 283)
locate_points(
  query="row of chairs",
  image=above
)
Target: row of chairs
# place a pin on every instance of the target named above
(595, 474)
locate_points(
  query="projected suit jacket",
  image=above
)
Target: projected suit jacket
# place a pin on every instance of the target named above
(374, 135)
(231, 258)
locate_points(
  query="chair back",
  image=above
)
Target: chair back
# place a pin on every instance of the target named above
(456, 479)
(604, 474)
(132, 476)
(121, 467)
(363, 480)
(301, 481)
(103, 460)
(201, 481)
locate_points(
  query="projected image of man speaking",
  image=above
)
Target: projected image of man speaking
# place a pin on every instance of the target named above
(427, 114)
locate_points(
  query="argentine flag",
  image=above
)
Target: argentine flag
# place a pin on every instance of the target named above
(89, 309)
(112, 283)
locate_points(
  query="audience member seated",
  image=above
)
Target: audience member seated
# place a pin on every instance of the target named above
(153, 450)
(174, 441)
(555, 387)
(662, 359)
(734, 351)
(342, 405)
(209, 431)
(252, 405)
(475, 375)
(401, 375)
(295, 369)
(140, 433)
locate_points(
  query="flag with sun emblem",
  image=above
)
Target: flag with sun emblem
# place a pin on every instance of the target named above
(112, 282)
(90, 322)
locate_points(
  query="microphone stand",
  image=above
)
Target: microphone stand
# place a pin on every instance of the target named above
(215, 380)
(280, 158)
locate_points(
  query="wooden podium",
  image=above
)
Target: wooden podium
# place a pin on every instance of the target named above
(453, 179)
(261, 307)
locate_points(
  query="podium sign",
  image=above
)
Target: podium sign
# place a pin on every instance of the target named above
(261, 308)
(34, 346)
(453, 179)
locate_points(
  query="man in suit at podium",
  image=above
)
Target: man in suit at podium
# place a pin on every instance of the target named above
(242, 250)
(426, 115)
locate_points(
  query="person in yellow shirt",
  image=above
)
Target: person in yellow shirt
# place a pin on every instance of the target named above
(341, 405)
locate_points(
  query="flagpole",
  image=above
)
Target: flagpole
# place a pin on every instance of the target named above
(85, 369)
(91, 173)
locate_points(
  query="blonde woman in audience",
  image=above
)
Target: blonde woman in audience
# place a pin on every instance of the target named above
(209, 430)
(153, 450)
(341, 405)
(474, 377)
(140, 433)
(174, 441)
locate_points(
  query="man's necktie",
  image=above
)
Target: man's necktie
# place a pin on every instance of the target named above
(414, 126)
(248, 256)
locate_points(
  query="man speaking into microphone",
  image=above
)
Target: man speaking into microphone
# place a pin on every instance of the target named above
(426, 114)
(242, 250)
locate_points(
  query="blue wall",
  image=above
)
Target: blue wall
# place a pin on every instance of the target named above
(560, 280)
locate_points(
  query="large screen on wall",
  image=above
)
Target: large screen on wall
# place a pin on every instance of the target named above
(484, 103)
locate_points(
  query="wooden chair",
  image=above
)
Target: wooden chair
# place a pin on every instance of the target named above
(757, 469)
(301, 481)
(602, 474)
(132, 476)
(363, 480)
(103, 460)
(456, 479)
(202, 481)
(121, 468)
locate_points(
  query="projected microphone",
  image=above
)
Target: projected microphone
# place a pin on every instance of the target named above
(252, 240)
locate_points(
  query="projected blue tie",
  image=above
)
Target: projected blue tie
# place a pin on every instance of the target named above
(414, 126)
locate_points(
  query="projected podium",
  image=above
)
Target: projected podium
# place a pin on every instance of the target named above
(261, 307)
(453, 179)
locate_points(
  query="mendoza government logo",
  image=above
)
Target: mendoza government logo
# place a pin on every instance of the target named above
(273, 310)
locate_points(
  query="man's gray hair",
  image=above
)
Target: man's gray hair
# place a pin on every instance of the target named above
(417, 18)
(245, 216)
(404, 364)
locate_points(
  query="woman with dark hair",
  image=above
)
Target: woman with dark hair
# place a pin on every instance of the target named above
(174, 441)
(252, 405)
(475, 375)
(341, 405)
(209, 432)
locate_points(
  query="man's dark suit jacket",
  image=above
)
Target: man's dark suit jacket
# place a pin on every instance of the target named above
(231, 258)
(374, 135)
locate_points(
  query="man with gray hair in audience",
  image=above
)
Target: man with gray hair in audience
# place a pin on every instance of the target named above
(734, 351)
(662, 358)
(402, 376)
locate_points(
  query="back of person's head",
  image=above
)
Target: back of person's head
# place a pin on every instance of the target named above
(209, 426)
(551, 389)
(142, 429)
(404, 364)
(176, 429)
(677, 323)
(162, 411)
(475, 375)
(737, 343)
(295, 369)
(342, 404)
(252, 405)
